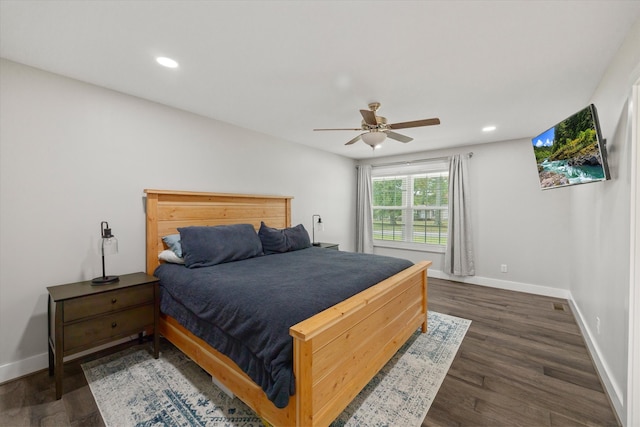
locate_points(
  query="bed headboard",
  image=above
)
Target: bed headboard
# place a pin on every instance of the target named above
(167, 210)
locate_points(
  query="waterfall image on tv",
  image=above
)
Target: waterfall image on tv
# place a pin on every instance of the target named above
(572, 152)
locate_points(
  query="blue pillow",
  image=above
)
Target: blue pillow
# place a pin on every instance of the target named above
(206, 246)
(173, 242)
(276, 240)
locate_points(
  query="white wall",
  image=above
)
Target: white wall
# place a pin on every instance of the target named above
(599, 251)
(601, 230)
(73, 154)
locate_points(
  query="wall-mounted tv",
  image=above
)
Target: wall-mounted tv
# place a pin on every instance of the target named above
(572, 152)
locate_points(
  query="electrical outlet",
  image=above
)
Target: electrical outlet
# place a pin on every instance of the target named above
(598, 325)
(503, 268)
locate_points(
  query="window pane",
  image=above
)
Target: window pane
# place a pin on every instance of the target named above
(420, 190)
(439, 186)
(388, 224)
(388, 191)
(431, 190)
(430, 226)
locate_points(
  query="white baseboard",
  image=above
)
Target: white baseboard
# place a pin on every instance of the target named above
(612, 388)
(20, 368)
(504, 284)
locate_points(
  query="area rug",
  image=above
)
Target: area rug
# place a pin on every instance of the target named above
(131, 388)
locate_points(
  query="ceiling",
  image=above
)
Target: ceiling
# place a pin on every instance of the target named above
(283, 68)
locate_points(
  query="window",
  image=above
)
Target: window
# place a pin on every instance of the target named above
(410, 203)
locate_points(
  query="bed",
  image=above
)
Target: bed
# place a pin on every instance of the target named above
(335, 352)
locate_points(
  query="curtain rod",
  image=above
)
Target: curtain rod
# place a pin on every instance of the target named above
(408, 162)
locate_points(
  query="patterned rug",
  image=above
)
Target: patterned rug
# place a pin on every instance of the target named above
(131, 388)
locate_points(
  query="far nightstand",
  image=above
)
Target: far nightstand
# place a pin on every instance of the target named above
(83, 316)
(327, 245)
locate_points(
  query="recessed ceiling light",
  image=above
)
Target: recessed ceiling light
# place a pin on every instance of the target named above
(167, 62)
(488, 129)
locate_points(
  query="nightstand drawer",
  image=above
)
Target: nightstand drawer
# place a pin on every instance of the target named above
(105, 302)
(92, 331)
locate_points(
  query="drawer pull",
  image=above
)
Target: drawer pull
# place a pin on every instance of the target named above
(114, 324)
(114, 300)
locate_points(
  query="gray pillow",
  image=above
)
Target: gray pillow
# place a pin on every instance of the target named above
(273, 239)
(276, 240)
(297, 237)
(206, 246)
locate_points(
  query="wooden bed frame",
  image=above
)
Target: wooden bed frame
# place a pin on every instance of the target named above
(336, 352)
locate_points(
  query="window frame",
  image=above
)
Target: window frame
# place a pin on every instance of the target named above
(408, 172)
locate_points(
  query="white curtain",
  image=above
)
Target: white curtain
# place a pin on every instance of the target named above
(458, 258)
(364, 214)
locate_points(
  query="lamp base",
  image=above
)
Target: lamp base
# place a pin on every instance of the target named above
(103, 280)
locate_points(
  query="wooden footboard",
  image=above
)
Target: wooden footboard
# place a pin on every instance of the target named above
(336, 352)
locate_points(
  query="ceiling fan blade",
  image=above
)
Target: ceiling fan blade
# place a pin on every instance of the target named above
(341, 129)
(354, 140)
(398, 137)
(414, 124)
(369, 117)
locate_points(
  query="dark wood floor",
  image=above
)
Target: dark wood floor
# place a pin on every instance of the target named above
(523, 362)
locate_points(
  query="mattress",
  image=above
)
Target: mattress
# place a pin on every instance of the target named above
(244, 309)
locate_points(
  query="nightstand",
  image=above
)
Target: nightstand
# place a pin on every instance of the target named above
(327, 245)
(83, 316)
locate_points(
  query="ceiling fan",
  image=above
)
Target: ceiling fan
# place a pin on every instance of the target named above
(377, 129)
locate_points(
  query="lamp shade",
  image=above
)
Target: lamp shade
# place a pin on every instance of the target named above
(373, 138)
(319, 224)
(107, 245)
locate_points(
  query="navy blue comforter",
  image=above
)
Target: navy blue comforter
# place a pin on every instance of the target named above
(244, 309)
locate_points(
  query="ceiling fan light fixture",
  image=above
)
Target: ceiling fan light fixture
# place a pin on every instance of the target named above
(376, 129)
(373, 138)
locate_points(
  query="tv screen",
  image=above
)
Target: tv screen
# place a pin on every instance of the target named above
(572, 152)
